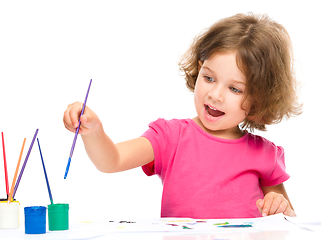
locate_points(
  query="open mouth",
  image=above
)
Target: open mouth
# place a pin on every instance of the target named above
(213, 112)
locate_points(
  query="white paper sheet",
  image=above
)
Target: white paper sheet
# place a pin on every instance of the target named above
(166, 229)
(305, 223)
(187, 225)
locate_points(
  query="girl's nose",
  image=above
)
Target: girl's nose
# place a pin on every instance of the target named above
(216, 93)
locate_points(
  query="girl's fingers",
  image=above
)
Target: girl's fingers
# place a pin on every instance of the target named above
(288, 211)
(266, 206)
(67, 121)
(275, 204)
(74, 113)
(88, 120)
(259, 204)
(71, 116)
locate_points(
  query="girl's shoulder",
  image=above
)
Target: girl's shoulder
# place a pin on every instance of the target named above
(258, 141)
(172, 128)
(171, 123)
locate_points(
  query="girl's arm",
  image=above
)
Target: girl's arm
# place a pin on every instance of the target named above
(275, 201)
(107, 156)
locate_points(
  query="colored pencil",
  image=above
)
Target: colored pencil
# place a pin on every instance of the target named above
(44, 170)
(5, 165)
(76, 133)
(16, 173)
(24, 164)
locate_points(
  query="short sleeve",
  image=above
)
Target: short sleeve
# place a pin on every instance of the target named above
(159, 135)
(149, 168)
(278, 174)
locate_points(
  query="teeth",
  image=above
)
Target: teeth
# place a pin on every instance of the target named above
(208, 107)
(213, 108)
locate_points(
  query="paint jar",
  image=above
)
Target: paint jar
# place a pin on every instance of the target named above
(9, 214)
(35, 220)
(58, 216)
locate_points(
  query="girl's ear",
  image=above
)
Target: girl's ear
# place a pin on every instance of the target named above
(200, 64)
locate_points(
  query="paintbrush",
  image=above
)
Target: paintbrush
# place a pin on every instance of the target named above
(44, 170)
(5, 166)
(16, 173)
(76, 133)
(24, 164)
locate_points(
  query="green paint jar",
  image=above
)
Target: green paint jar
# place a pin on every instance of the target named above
(58, 216)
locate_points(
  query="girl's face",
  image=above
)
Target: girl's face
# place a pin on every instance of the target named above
(218, 96)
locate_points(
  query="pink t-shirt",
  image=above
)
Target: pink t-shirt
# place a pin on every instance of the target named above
(207, 177)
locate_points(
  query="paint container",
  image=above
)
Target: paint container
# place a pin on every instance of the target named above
(9, 214)
(58, 216)
(35, 220)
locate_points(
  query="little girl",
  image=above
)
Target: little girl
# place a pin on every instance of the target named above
(240, 71)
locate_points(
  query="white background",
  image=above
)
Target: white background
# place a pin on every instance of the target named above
(49, 50)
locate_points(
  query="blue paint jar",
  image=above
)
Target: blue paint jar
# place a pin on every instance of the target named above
(35, 220)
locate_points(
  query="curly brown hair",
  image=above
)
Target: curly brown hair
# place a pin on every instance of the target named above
(264, 55)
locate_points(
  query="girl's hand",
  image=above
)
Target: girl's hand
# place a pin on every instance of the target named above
(274, 203)
(89, 120)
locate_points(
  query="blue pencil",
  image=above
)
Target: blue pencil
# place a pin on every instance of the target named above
(44, 170)
(76, 133)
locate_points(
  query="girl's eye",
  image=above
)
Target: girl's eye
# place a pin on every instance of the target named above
(208, 79)
(235, 90)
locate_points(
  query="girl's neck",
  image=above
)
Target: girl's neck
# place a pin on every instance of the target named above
(233, 133)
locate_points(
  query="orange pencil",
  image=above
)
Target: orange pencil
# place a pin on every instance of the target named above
(16, 173)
